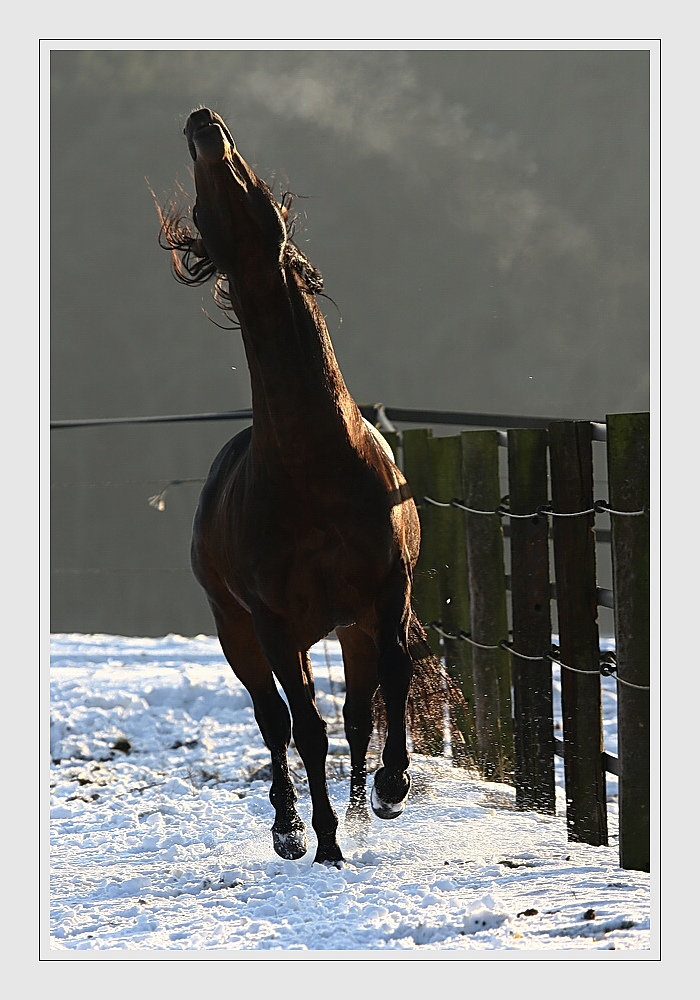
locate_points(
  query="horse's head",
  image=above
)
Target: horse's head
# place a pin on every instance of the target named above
(236, 214)
(241, 226)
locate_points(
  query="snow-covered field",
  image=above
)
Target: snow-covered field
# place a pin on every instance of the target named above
(160, 833)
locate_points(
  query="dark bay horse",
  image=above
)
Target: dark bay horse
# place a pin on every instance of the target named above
(305, 524)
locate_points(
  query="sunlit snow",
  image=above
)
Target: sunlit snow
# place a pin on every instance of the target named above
(160, 830)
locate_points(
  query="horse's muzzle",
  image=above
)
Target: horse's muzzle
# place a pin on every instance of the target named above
(208, 138)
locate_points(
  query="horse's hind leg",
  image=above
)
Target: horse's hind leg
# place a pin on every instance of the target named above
(243, 652)
(360, 656)
(395, 669)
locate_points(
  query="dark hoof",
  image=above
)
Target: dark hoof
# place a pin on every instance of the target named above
(389, 799)
(290, 846)
(330, 862)
(328, 853)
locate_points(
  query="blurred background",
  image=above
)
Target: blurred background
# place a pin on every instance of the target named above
(480, 217)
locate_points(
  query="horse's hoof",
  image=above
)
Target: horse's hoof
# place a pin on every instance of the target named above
(329, 855)
(381, 805)
(290, 846)
(330, 862)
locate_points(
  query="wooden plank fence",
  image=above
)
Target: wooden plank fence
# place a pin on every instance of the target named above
(463, 594)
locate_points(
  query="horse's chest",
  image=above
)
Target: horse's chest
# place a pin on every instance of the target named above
(319, 567)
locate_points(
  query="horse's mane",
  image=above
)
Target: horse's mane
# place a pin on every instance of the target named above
(191, 265)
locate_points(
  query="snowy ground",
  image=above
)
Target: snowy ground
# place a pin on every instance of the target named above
(160, 833)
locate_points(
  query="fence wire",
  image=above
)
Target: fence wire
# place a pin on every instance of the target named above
(544, 510)
(608, 662)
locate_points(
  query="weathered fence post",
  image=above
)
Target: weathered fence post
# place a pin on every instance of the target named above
(628, 476)
(450, 546)
(571, 463)
(532, 622)
(426, 584)
(488, 607)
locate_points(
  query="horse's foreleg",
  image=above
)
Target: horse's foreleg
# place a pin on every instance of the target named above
(360, 662)
(243, 652)
(293, 670)
(392, 782)
(288, 830)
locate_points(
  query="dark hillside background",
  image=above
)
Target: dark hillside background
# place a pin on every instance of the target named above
(481, 219)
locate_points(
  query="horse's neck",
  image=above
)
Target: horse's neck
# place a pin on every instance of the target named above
(300, 400)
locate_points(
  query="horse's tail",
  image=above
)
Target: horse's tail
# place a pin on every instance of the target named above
(433, 698)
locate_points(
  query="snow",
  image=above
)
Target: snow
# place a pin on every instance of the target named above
(160, 841)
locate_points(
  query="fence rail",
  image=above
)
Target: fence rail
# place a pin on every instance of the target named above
(494, 628)
(377, 412)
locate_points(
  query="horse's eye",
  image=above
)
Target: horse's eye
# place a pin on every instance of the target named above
(194, 216)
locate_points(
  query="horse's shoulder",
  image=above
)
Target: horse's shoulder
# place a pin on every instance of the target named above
(231, 452)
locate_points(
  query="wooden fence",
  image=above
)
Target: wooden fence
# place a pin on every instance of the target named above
(494, 629)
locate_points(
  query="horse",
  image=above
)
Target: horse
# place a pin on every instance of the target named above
(305, 524)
